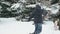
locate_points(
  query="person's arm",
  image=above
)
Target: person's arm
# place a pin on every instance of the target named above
(32, 15)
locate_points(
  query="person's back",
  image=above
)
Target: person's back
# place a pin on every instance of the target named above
(38, 14)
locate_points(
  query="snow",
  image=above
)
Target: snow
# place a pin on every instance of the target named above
(11, 26)
(33, 5)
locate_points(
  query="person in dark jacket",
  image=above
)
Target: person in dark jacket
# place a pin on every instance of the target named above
(38, 21)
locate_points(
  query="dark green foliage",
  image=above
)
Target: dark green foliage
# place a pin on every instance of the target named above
(54, 1)
(6, 11)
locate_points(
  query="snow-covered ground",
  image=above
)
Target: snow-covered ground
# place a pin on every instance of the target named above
(11, 26)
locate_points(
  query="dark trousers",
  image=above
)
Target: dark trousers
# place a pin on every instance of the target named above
(38, 28)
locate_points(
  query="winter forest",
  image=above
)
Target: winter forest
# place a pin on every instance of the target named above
(14, 15)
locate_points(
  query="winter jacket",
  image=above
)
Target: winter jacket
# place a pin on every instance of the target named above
(37, 15)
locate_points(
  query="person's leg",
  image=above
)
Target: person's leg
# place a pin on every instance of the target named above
(38, 28)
